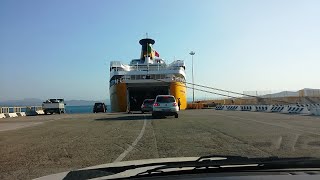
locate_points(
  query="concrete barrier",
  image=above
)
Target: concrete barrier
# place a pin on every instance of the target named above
(315, 111)
(276, 108)
(312, 106)
(12, 115)
(247, 108)
(253, 108)
(233, 108)
(2, 116)
(219, 107)
(21, 114)
(289, 109)
(262, 108)
(39, 112)
(295, 109)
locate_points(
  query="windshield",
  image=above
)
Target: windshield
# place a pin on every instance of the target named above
(98, 105)
(85, 84)
(149, 101)
(165, 99)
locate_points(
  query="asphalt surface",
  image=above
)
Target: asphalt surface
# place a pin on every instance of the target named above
(36, 146)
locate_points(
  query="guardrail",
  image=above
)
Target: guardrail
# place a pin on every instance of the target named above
(309, 109)
(143, 77)
(16, 111)
(147, 68)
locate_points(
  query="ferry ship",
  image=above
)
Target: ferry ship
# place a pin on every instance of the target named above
(145, 78)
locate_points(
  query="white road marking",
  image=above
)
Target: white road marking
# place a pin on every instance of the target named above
(135, 142)
(270, 124)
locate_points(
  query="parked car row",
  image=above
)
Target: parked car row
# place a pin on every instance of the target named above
(162, 105)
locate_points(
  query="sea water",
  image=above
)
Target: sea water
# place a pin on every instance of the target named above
(82, 109)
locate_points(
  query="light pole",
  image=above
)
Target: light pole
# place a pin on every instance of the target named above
(192, 53)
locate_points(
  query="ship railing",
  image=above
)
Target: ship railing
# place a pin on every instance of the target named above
(123, 79)
(148, 68)
(153, 68)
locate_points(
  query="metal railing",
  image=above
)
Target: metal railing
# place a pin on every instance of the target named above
(143, 77)
(18, 109)
(4, 110)
(148, 68)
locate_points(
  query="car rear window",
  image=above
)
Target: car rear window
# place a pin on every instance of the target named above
(165, 99)
(148, 101)
(98, 105)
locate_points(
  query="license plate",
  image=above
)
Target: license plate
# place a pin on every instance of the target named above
(166, 109)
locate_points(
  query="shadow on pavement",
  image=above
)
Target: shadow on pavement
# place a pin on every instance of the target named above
(126, 118)
(131, 118)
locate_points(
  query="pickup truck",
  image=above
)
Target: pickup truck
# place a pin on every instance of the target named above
(51, 106)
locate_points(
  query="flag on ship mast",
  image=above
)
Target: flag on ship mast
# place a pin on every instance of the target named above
(152, 52)
(156, 53)
(149, 51)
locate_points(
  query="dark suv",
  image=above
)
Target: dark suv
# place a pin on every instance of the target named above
(99, 107)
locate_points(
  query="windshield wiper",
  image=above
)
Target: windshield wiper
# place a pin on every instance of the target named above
(216, 163)
(241, 159)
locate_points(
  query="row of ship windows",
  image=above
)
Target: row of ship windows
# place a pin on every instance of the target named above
(151, 76)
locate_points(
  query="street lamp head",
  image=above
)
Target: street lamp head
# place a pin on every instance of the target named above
(192, 53)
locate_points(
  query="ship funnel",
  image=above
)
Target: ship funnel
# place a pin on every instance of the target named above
(145, 50)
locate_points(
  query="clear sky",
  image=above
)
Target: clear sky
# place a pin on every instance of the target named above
(63, 48)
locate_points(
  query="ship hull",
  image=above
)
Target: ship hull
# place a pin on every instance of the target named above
(118, 97)
(121, 93)
(179, 90)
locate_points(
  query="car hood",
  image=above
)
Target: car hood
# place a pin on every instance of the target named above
(126, 173)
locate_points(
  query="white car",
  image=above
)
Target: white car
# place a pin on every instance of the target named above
(165, 105)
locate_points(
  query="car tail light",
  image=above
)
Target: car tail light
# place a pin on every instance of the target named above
(156, 104)
(174, 104)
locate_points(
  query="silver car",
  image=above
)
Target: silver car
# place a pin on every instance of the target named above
(165, 105)
(147, 105)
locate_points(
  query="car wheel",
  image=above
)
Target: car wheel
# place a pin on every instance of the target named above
(176, 115)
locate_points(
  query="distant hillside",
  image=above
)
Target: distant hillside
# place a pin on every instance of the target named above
(80, 102)
(308, 92)
(23, 102)
(38, 102)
